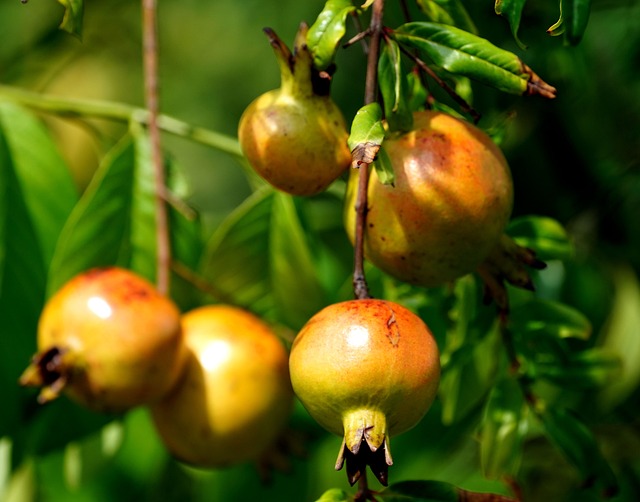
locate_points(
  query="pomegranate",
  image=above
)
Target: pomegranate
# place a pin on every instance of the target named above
(295, 137)
(365, 370)
(448, 207)
(235, 397)
(109, 340)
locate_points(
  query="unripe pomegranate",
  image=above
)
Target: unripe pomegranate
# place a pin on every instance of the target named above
(109, 340)
(365, 370)
(295, 137)
(450, 202)
(235, 397)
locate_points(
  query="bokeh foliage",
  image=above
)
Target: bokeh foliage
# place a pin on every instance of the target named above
(75, 193)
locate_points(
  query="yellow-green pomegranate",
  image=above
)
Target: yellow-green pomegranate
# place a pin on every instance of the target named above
(235, 397)
(449, 204)
(365, 370)
(109, 340)
(295, 137)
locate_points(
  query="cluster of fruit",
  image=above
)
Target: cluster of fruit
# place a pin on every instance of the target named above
(218, 381)
(442, 216)
(215, 379)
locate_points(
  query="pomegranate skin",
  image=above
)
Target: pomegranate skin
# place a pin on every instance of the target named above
(295, 137)
(365, 370)
(296, 142)
(235, 397)
(451, 200)
(112, 340)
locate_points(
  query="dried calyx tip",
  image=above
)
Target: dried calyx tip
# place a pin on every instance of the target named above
(378, 461)
(47, 371)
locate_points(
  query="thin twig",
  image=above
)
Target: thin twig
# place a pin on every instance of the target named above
(201, 283)
(150, 60)
(360, 287)
(356, 21)
(405, 11)
(73, 108)
(447, 88)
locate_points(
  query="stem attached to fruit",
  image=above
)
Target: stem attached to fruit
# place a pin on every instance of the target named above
(360, 287)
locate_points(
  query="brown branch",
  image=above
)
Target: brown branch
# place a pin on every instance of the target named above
(151, 88)
(360, 287)
(447, 88)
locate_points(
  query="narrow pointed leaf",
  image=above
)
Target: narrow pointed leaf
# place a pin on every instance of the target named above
(451, 12)
(578, 444)
(325, 33)
(553, 318)
(73, 16)
(512, 11)
(503, 430)
(22, 285)
(142, 219)
(384, 167)
(583, 370)
(45, 180)
(394, 88)
(296, 288)
(236, 259)
(335, 495)
(367, 134)
(573, 20)
(96, 233)
(546, 236)
(463, 53)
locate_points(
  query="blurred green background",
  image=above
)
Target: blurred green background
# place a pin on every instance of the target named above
(576, 159)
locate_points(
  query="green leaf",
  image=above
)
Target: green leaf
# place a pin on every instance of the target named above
(576, 441)
(236, 259)
(187, 243)
(384, 167)
(468, 358)
(620, 336)
(450, 12)
(417, 91)
(394, 89)
(583, 370)
(96, 233)
(463, 53)
(295, 285)
(325, 33)
(553, 318)
(512, 10)
(142, 221)
(335, 495)
(503, 430)
(260, 258)
(573, 20)
(67, 418)
(546, 236)
(22, 285)
(420, 491)
(45, 181)
(367, 127)
(367, 134)
(73, 15)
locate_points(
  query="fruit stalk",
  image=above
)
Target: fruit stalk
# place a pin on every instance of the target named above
(360, 287)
